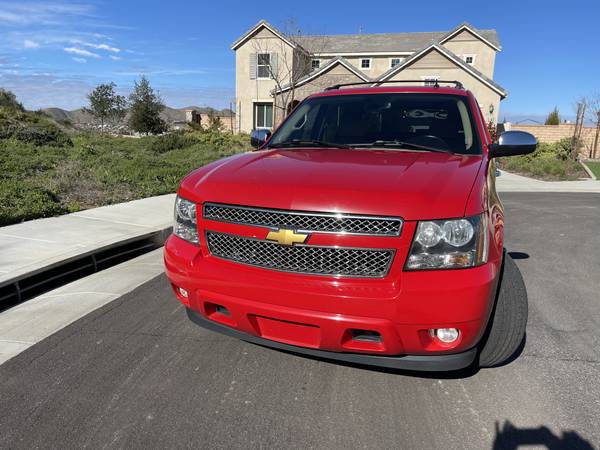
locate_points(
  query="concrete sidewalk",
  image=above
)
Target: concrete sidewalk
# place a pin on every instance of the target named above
(509, 182)
(29, 247)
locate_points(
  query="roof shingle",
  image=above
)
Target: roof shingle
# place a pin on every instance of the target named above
(382, 42)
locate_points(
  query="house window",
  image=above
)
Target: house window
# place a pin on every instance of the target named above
(315, 64)
(263, 69)
(430, 80)
(395, 62)
(469, 59)
(365, 63)
(263, 115)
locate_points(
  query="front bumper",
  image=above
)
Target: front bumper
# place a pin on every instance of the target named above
(428, 363)
(317, 315)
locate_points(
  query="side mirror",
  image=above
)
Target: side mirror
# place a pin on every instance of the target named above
(259, 137)
(513, 143)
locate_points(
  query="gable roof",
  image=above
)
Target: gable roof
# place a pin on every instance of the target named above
(389, 42)
(262, 24)
(452, 57)
(324, 69)
(407, 42)
(490, 40)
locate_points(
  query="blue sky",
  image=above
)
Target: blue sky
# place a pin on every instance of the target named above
(52, 53)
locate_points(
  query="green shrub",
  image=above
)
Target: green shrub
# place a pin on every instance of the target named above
(223, 140)
(214, 122)
(23, 200)
(38, 134)
(548, 162)
(195, 126)
(26, 126)
(43, 135)
(561, 149)
(9, 100)
(171, 141)
(553, 118)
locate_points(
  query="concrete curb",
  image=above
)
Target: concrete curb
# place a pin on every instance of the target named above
(30, 284)
(30, 322)
(509, 182)
(158, 236)
(42, 254)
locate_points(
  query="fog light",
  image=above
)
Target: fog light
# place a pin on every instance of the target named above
(182, 292)
(447, 335)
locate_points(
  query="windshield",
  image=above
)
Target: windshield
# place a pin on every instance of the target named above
(414, 121)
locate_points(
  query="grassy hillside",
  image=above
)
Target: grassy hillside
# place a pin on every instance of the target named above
(56, 177)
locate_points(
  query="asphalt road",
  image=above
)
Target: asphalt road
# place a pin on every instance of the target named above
(137, 374)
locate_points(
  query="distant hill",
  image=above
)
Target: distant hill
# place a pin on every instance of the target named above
(59, 115)
(169, 115)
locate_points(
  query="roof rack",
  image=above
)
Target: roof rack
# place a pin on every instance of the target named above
(457, 84)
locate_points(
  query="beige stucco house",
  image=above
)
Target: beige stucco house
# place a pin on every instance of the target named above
(274, 70)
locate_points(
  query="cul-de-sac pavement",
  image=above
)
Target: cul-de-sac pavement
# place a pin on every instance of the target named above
(136, 373)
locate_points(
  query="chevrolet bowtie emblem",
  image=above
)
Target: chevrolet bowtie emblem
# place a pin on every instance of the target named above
(287, 237)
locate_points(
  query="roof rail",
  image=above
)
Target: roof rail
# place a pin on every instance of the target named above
(457, 84)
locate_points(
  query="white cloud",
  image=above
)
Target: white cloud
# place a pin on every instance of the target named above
(81, 52)
(115, 58)
(79, 60)
(103, 47)
(108, 48)
(7, 16)
(165, 71)
(35, 12)
(28, 43)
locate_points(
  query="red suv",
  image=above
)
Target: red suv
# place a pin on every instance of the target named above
(365, 229)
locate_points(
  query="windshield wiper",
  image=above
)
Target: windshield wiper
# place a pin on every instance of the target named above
(400, 144)
(308, 143)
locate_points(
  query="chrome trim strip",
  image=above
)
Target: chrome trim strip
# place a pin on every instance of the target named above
(392, 252)
(305, 213)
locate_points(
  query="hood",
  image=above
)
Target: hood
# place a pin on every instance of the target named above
(412, 185)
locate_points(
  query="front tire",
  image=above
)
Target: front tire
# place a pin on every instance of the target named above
(506, 330)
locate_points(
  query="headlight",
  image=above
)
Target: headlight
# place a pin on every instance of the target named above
(185, 226)
(449, 244)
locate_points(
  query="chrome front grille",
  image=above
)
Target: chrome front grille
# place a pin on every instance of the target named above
(308, 259)
(304, 221)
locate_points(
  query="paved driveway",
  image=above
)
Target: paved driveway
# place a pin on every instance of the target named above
(137, 374)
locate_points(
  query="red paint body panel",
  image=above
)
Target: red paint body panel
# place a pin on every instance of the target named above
(318, 311)
(412, 185)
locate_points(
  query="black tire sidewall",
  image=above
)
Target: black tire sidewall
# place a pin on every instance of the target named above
(508, 320)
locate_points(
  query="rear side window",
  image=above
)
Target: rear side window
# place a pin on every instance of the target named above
(434, 120)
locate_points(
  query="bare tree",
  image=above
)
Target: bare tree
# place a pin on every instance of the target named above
(577, 131)
(594, 109)
(286, 62)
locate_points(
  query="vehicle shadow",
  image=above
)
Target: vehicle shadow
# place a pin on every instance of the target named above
(518, 255)
(510, 437)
